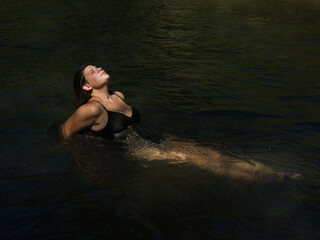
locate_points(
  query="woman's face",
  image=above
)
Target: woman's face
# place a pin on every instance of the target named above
(96, 77)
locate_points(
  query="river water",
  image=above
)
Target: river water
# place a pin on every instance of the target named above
(238, 77)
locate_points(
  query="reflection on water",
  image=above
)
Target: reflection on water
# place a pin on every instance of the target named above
(236, 84)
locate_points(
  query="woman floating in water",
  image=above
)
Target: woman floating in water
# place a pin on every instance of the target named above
(100, 111)
(105, 113)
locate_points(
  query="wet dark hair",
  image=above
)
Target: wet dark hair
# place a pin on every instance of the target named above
(80, 96)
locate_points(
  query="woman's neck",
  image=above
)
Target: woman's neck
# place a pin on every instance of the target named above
(102, 93)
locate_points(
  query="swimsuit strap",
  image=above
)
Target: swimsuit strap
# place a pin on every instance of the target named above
(112, 111)
(100, 104)
(112, 93)
(118, 96)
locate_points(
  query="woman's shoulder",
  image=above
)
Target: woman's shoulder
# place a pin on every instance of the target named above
(92, 108)
(120, 94)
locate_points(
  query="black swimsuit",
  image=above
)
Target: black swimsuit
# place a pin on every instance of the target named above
(117, 122)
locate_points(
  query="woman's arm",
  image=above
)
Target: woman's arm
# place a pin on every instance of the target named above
(84, 117)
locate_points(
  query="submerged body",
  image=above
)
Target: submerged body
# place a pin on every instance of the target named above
(181, 151)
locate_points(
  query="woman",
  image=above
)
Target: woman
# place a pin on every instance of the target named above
(100, 111)
(105, 113)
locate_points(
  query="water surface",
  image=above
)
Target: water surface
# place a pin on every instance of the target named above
(239, 77)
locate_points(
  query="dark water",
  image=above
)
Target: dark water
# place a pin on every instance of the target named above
(240, 77)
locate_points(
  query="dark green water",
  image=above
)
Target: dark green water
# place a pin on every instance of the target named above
(241, 77)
